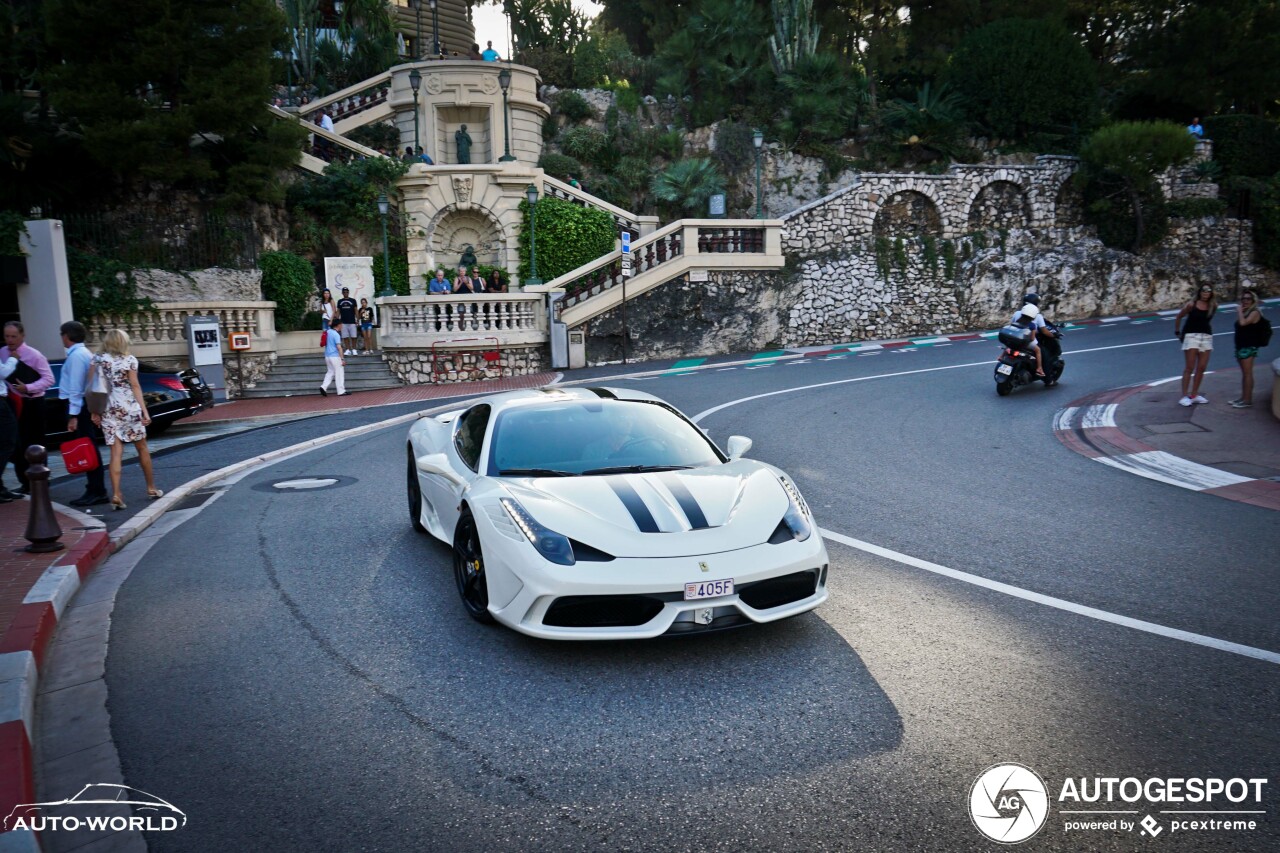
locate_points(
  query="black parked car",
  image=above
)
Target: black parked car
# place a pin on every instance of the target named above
(169, 396)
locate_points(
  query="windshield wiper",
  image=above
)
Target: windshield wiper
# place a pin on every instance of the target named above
(636, 469)
(534, 472)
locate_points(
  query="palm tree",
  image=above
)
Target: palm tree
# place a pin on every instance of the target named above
(688, 184)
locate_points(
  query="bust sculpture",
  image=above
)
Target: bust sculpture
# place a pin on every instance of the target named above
(463, 139)
(468, 257)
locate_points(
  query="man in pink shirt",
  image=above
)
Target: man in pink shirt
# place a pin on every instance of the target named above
(27, 384)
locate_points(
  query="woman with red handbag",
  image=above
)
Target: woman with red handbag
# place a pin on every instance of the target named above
(126, 418)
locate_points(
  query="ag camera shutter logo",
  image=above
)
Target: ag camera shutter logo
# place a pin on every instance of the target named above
(1008, 803)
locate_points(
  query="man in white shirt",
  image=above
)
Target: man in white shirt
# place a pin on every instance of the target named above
(72, 384)
(8, 426)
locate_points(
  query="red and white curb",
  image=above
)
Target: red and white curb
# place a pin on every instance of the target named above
(22, 655)
(1088, 426)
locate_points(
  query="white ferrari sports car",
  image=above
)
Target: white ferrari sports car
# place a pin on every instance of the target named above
(604, 514)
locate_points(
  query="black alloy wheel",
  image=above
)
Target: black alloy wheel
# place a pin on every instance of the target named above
(468, 569)
(415, 496)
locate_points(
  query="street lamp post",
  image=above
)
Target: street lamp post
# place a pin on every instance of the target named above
(504, 80)
(757, 138)
(531, 193)
(417, 32)
(383, 206)
(415, 81)
(435, 27)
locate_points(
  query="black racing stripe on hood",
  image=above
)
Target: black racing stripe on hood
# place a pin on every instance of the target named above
(692, 510)
(635, 505)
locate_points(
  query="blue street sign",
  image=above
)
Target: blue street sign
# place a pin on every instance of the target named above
(626, 242)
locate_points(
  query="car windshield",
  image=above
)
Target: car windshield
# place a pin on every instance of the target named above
(595, 437)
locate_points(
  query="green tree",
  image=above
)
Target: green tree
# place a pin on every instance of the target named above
(569, 235)
(174, 92)
(929, 128)
(1203, 58)
(719, 58)
(687, 185)
(1121, 163)
(1017, 77)
(823, 93)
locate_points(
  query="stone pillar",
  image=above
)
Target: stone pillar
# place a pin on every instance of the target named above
(45, 303)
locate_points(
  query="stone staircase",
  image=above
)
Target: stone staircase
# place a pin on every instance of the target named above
(301, 375)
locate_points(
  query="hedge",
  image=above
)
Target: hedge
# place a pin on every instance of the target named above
(569, 235)
(290, 282)
(1196, 208)
(1245, 145)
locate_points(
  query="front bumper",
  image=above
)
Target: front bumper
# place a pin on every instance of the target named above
(634, 598)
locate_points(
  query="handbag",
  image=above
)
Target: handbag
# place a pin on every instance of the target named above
(79, 455)
(98, 392)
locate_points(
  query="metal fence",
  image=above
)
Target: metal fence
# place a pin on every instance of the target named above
(153, 240)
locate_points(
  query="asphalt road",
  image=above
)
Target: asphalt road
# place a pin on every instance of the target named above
(294, 671)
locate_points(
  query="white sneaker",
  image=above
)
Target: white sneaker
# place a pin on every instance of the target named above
(1198, 399)
(1185, 401)
(348, 352)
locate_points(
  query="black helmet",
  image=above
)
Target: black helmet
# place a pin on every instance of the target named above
(1033, 298)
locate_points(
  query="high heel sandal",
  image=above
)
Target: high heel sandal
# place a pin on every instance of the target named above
(153, 494)
(117, 502)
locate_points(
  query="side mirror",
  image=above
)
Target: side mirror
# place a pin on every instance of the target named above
(438, 464)
(738, 446)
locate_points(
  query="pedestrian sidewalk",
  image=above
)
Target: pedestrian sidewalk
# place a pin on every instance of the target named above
(34, 591)
(1210, 447)
(274, 407)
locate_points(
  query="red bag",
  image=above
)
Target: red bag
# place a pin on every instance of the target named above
(79, 455)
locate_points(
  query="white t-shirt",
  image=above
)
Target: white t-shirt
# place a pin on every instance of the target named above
(1037, 323)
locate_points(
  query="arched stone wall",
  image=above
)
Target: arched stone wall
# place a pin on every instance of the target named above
(1068, 205)
(999, 204)
(908, 213)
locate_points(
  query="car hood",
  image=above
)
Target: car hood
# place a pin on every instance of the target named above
(666, 514)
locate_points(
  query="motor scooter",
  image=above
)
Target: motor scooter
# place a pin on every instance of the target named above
(1016, 365)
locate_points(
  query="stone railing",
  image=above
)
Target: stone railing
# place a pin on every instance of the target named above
(354, 99)
(159, 333)
(421, 322)
(623, 220)
(672, 251)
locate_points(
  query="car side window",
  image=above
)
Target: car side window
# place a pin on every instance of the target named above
(470, 435)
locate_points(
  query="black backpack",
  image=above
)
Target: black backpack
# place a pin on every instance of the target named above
(1262, 336)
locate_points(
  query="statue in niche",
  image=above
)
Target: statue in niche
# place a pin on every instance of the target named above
(468, 257)
(463, 139)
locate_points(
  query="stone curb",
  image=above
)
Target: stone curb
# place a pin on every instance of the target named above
(22, 652)
(1088, 426)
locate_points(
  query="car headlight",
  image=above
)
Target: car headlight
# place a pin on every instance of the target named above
(554, 546)
(797, 515)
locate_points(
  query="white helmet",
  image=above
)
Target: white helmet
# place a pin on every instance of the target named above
(1030, 311)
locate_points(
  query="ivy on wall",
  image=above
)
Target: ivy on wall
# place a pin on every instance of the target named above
(102, 286)
(568, 236)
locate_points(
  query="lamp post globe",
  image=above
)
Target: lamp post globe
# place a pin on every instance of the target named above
(504, 80)
(531, 193)
(757, 139)
(415, 83)
(383, 206)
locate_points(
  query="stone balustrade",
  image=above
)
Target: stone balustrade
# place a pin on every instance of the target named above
(159, 333)
(421, 322)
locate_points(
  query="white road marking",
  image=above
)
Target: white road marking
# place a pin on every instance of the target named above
(1115, 320)
(933, 341)
(986, 363)
(1174, 470)
(1062, 421)
(1170, 379)
(1057, 603)
(723, 369)
(1099, 416)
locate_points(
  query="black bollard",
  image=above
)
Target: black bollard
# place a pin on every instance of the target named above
(43, 531)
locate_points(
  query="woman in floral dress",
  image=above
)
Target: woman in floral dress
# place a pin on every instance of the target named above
(126, 418)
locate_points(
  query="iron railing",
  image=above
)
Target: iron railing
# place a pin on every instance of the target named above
(159, 241)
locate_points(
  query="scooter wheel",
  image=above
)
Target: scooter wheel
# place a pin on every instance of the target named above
(1004, 389)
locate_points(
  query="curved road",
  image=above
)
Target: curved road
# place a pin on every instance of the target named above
(293, 669)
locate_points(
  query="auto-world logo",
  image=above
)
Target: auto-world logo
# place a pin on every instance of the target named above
(1008, 803)
(93, 809)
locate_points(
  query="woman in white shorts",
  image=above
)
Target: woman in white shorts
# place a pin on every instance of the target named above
(1197, 342)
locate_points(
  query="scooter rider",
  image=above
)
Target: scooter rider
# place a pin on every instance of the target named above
(1046, 332)
(1029, 317)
